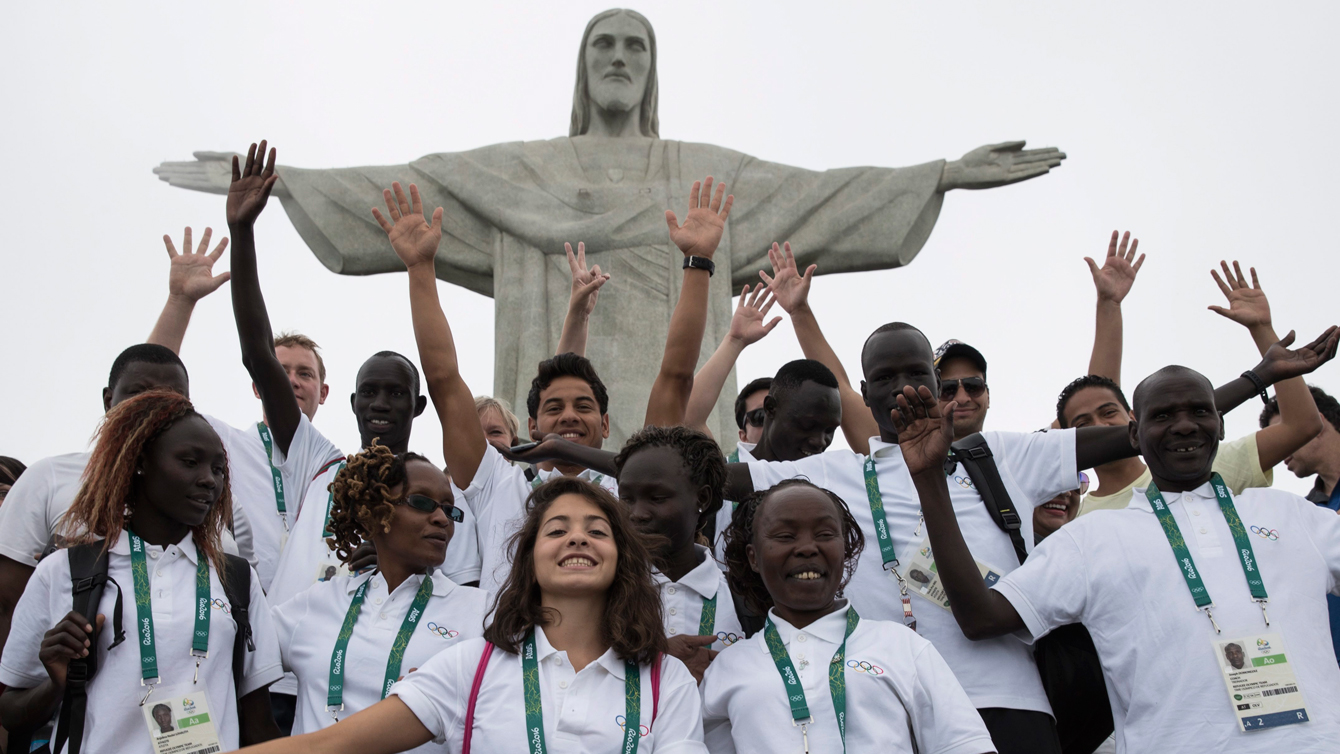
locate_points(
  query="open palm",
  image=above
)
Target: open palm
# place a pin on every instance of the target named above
(415, 241)
(791, 288)
(251, 185)
(701, 232)
(1115, 278)
(925, 429)
(1247, 304)
(747, 325)
(191, 275)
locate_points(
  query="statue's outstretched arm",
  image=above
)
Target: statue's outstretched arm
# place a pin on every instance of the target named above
(211, 172)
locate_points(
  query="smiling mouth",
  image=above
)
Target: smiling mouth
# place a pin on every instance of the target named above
(571, 434)
(1183, 449)
(807, 574)
(576, 561)
(379, 424)
(1057, 507)
(436, 537)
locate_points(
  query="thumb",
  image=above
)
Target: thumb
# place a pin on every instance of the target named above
(99, 620)
(1221, 311)
(437, 220)
(1093, 266)
(219, 280)
(1287, 340)
(671, 220)
(809, 272)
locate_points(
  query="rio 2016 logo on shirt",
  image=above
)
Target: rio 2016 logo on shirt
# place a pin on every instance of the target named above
(861, 666)
(642, 730)
(219, 604)
(965, 482)
(445, 633)
(1265, 533)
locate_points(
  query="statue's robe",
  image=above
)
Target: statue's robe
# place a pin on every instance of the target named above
(510, 207)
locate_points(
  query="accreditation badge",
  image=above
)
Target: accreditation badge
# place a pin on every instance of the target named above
(1261, 683)
(329, 569)
(179, 721)
(923, 579)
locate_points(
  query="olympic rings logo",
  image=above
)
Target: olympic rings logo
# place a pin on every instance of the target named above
(642, 730)
(861, 666)
(728, 638)
(219, 604)
(1269, 534)
(964, 481)
(445, 633)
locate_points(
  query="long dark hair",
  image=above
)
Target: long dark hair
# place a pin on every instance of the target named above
(747, 583)
(649, 122)
(632, 623)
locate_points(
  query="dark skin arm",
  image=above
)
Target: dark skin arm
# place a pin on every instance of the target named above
(251, 187)
(13, 578)
(925, 431)
(739, 484)
(255, 720)
(554, 448)
(71, 638)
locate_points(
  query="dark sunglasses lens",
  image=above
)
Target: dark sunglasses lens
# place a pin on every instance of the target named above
(454, 513)
(973, 386)
(421, 503)
(948, 389)
(755, 418)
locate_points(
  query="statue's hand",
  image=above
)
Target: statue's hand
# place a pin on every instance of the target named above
(251, 185)
(702, 228)
(997, 165)
(925, 429)
(791, 288)
(211, 172)
(191, 276)
(414, 240)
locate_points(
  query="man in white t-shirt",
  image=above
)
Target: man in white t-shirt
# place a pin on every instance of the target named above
(1165, 585)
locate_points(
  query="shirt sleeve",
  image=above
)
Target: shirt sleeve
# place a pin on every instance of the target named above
(1042, 464)
(287, 617)
(307, 453)
(679, 722)
(768, 473)
(1051, 588)
(495, 478)
(717, 733)
(1239, 463)
(263, 665)
(20, 667)
(943, 718)
(23, 517)
(463, 562)
(437, 693)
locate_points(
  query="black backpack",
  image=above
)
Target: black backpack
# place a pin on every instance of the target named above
(1067, 659)
(88, 576)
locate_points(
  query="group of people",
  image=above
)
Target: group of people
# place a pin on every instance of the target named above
(935, 588)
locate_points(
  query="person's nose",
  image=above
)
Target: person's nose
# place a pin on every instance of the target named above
(379, 402)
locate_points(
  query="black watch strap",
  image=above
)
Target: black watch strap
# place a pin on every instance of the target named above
(1259, 384)
(700, 263)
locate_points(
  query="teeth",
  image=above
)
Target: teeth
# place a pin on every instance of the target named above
(807, 575)
(577, 561)
(1054, 506)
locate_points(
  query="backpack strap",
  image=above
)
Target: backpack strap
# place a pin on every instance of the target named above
(237, 588)
(975, 455)
(474, 695)
(655, 689)
(88, 576)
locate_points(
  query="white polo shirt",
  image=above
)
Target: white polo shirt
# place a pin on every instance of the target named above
(582, 710)
(114, 721)
(497, 496)
(682, 602)
(309, 624)
(1035, 467)
(1115, 572)
(743, 454)
(897, 685)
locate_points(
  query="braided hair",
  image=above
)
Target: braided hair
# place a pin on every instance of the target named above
(742, 578)
(362, 499)
(103, 504)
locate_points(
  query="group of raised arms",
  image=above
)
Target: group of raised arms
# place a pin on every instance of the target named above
(190, 587)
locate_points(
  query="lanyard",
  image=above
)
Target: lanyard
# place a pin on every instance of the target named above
(139, 570)
(1246, 556)
(795, 693)
(330, 502)
(530, 677)
(340, 657)
(278, 478)
(537, 481)
(884, 538)
(708, 622)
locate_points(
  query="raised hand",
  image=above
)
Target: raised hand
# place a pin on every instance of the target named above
(746, 326)
(1113, 280)
(1247, 305)
(251, 186)
(1280, 363)
(70, 639)
(788, 286)
(997, 165)
(702, 228)
(414, 240)
(925, 429)
(586, 283)
(191, 276)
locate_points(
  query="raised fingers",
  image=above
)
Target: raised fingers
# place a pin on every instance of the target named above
(391, 204)
(725, 208)
(218, 250)
(171, 249)
(204, 241)
(693, 194)
(716, 197)
(1220, 282)
(400, 198)
(415, 203)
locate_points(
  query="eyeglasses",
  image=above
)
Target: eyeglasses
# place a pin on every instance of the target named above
(755, 418)
(974, 386)
(428, 505)
(1083, 484)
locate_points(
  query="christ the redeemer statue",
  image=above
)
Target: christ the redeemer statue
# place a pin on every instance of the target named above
(510, 207)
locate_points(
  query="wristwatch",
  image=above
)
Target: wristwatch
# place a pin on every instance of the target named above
(700, 263)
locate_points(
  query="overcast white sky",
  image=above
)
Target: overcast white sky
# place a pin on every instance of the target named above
(1207, 129)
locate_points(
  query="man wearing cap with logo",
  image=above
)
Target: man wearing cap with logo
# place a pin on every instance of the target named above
(963, 380)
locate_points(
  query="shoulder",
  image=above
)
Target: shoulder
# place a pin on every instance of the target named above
(225, 430)
(1277, 499)
(48, 473)
(674, 674)
(51, 570)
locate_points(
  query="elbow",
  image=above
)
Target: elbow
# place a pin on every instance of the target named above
(1309, 427)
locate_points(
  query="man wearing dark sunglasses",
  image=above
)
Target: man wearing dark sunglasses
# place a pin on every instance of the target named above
(749, 413)
(963, 380)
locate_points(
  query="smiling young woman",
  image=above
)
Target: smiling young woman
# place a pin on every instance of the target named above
(819, 675)
(572, 662)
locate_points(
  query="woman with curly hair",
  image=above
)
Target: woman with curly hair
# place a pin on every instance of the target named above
(155, 496)
(671, 478)
(819, 677)
(349, 638)
(572, 661)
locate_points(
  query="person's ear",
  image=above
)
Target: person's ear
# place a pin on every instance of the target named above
(352, 406)
(1221, 426)
(605, 426)
(744, 437)
(770, 406)
(325, 391)
(255, 391)
(704, 497)
(106, 399)
(420, 404)
(753, 558)
(533, 429)
(1133, 432)
(864, 398)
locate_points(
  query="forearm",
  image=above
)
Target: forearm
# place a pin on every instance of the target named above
(739, 482)
(575, 326)
(708, 382)
(670, 392)
(1299, 420)
(386, 727)
(256, 720)
(858, 426)
(27, 709)
(980, 612)
(13, 579)
(170, 329)
(1095, 446)
(1105, 360)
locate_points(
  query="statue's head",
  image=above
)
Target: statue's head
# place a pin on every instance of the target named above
(616, 70)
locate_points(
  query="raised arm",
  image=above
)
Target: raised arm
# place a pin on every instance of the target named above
(190, 278)
(1112, 281)
(585, 290)
(697, 238)
(925, 430)
(415, 241)
(385, 727)
(252, 183)
(746, 328)
(1299, 420)
(793, 292)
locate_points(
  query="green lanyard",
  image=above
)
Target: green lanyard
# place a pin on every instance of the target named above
(339, 657)
(795, 693)
(139, 571)
(530, 677)
(1246, 556)
(885, 539)
(330, 502)
(278, 478)
(707, 624)
(537, 481)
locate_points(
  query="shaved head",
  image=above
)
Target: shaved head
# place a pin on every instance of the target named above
(1164, 378)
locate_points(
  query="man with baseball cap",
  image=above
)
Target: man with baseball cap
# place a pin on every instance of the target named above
(963, 380)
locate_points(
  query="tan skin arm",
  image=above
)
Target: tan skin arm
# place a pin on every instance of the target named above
(190, 278)
(746, 328)
(1112, 281)
(384, 728)
(586, 284)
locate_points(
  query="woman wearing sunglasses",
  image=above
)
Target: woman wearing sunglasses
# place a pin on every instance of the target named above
(348, 639)
(1058, 511)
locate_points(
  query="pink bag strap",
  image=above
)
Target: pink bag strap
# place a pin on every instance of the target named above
(474, 695)
(655, 690)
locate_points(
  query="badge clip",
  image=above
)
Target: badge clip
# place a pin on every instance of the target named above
(334, 712)
(804, 733)
(1265, 615)
(150, 689)
(1210, 615)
